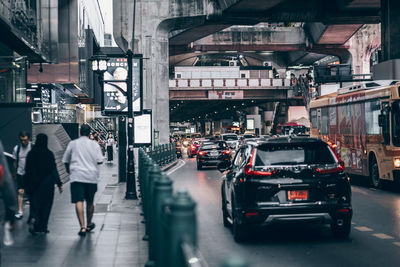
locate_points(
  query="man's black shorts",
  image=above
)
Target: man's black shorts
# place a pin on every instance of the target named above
(20, 182)
(83, 191)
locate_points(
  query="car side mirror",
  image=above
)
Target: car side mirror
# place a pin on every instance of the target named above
(223, 166)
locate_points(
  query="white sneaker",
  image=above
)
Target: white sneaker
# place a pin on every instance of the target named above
(19, 215)
(7, 239)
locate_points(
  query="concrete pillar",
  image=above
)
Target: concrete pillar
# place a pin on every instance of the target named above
(362, 44)
(252, 110)
(154, 21)
(390, 21)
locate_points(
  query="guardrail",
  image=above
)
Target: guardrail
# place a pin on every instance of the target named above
(163, 154)
(170, 219)
(231, 83)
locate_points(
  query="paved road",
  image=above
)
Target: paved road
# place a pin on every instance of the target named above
(374, 241)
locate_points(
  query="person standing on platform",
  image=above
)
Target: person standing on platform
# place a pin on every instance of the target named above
(41, 176)
(20, 152)
(81, 160)
(110, 145)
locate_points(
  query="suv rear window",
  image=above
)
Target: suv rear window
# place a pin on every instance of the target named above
(218, 145)
(293, 154)
(229, 137)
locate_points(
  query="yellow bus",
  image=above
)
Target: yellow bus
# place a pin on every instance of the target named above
(362, 123)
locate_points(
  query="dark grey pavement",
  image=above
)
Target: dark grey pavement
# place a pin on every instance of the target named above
(374, 241)
(116, 241)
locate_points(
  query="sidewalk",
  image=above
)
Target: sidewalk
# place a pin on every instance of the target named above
(116, 240)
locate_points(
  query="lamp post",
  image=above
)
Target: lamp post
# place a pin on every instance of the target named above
(99, 66)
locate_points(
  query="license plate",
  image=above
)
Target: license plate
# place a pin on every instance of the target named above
(214, 153)
(298, 195)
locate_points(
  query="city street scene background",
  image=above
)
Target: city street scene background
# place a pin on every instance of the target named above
(199, 133)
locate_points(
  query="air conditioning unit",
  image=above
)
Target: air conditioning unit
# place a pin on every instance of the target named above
(267, 63)
(232, 63)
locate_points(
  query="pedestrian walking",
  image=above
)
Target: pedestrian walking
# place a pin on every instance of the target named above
(110, 145)
(20, 153)
(81, 160)
(8, 200)
(41, 176)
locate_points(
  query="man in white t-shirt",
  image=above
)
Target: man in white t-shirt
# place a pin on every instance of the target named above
(81, 160)
(20, 152)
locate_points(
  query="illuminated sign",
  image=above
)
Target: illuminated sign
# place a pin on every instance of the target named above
(143, 129)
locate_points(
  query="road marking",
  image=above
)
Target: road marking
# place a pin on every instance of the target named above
(363, 229)
(396, 243)
(180, 165)
(383, 236)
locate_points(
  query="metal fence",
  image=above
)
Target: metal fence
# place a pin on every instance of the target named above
(163, 154)
(170, 219)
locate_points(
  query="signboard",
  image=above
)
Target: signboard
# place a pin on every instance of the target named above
(143, 129)
(250, 124)
(115, 101)
(222, 94)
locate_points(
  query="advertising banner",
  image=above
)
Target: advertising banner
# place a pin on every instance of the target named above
(115, 99)
(222, 94)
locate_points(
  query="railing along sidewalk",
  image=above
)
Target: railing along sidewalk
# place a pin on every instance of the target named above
(170, 218)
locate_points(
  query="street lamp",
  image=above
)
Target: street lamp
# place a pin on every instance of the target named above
(99, 66)
(99, 63)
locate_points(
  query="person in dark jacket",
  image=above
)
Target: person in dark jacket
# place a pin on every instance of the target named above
(41, 176)
(8, 195)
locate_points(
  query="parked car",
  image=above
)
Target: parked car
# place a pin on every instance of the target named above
(231, 139)
(212, 153)
(282, 179)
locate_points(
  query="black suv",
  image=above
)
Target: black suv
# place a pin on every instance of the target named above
(285, 179)
(212, 153)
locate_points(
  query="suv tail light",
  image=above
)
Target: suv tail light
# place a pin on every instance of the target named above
(202, 153)
(226, 152)
(328, 170)
(249, 168)
(192, 147)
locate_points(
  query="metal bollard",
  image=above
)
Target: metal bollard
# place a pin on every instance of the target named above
(145, 193)
(180, 226)
(154, 175)
(154, 172)
(234, 261)
(162, 190)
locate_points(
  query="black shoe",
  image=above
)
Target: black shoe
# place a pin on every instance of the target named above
(32, 230)
(90, 227)
(82, 232)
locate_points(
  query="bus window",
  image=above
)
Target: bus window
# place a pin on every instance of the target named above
(314, 118)
(396, 123)
(372, 111)
(324, 121)
(385, 128)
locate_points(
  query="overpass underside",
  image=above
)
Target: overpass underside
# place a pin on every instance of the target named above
(205, 109)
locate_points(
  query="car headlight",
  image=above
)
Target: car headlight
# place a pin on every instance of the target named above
(396, 162)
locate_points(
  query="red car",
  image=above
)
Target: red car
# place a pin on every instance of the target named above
(194, 146)
(192, 149)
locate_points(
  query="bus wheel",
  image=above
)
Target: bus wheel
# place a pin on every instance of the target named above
(375, 181)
